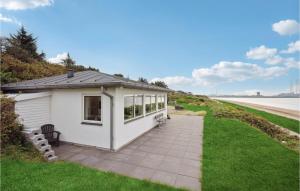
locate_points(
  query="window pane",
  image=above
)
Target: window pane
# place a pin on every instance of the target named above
(153, 103)
(128, 107)
(92, 108)
(159, 102)
(162, 102)
(138, 106)
(148, 104)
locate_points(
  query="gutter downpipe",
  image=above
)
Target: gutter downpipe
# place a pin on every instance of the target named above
(111, 118)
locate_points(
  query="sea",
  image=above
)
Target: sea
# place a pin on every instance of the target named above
(285, 103)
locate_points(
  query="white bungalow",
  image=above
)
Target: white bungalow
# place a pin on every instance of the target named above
(89, 108)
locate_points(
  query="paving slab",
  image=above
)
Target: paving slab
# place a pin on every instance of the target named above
(170, 154)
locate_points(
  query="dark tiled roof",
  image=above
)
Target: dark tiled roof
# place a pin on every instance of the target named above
(80, 80)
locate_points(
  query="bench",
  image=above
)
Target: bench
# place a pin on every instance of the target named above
(160, 119)
(51, 135)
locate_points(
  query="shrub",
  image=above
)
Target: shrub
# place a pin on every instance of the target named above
(225, 111)
(11, 129)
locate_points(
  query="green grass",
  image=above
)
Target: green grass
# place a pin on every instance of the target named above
(33, 175)
(285, 122)
(238, 157)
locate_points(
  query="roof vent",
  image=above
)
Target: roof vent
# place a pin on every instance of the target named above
(70, 74)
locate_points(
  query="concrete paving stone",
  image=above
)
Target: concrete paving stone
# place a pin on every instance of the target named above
(191, 162)
(150, 163)
(123, 168)
(170, 154)
(91, 161)
(126, 151)
(142, 173)
(169, 166)
(164, 177)
(188, 171)
(190, 155)
(187, 182)
(175, 153)
(78, 157)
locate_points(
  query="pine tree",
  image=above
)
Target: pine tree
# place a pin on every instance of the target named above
(160, 84)
(144, 80)
(23, 46)
(69, 62)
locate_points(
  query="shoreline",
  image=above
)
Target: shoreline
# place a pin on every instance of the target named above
(293, 114)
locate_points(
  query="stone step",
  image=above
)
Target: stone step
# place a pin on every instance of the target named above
(40, 144)
(45, 148)
(52, 159)
(36, 138)
(32, 132)
(49, 154)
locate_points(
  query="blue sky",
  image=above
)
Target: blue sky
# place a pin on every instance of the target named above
(198, 46)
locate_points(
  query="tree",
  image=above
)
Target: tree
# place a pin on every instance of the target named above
(68, 62)
(144, 80)
(160, 84)
(119, 75)
(23, 46)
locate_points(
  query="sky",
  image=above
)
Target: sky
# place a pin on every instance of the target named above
(202, 46)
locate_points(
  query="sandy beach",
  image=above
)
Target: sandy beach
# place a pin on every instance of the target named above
(275, 110)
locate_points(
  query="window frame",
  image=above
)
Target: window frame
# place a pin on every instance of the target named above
(143, 105)
(164, 102)
(84, 121)
(156, 110)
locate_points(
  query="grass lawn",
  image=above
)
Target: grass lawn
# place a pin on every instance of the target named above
(239, 157)
(285, 122)
(25, 175)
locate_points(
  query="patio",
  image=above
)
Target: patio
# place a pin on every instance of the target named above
(170, 154)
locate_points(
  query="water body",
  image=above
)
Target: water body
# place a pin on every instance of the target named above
(285, 103)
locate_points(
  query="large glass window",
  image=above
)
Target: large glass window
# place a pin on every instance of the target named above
(161, 102)
(138, 105)
(128, 107)
(92, 108)
(133, 107)
(153, 103)
(150, 103)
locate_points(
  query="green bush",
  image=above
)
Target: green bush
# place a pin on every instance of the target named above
(226, 111)
(11, 129)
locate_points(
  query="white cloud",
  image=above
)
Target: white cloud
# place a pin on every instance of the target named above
(4, 19)
(24, 4)
(292, 47)
(260, 53)
(274, 60)
(292, 63)
(226, 71)
(174, 80)
(286, 27)
(59, 58)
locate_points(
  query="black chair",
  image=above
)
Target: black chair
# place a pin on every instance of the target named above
(50, 134)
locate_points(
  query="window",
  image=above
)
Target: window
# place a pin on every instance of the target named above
(161, 102)
(138, 105)
(153, 103)
(128, 107)
(92, 108)
(150, 103)
(133, 106)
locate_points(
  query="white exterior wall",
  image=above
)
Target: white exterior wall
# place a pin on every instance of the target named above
(64, 109)
(127, 132)
(67, 115)
(33, 109)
